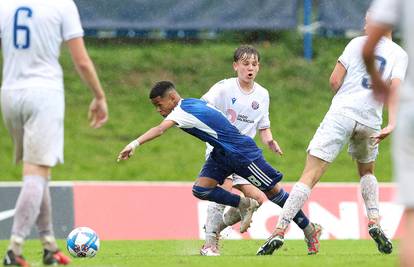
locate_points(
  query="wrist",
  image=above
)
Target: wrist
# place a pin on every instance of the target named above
(134, 144)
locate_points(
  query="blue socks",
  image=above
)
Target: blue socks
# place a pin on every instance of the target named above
(280, 198)
(216, 194)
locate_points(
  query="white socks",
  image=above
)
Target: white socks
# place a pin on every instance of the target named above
(214, 223)
(297, 198)
(27, 210)
(370, 194)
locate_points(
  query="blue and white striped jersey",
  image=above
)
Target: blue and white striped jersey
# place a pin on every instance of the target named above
(208, 124)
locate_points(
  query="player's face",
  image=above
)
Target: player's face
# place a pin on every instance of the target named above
(164, 105)
(247, 67)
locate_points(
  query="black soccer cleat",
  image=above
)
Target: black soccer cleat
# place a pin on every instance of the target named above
(383, 243)
(273, 243)
(55, 258)
(11, 259)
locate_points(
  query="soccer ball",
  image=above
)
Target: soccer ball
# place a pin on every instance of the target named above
(82, 242)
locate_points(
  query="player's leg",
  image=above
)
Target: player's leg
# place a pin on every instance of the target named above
(213, 173)
(362, 149)
(407, 248)
(214, 224)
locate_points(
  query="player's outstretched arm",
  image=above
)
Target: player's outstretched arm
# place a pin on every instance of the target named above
(392, 104)
(149, 135)
(98, 109)
(267, 139)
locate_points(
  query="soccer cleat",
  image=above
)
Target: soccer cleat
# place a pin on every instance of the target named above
(55, 258)
(274, 242)
(246, 213)
(209, 250)
(14, 260)
(313, 240)
(211, 247)
(383, 243)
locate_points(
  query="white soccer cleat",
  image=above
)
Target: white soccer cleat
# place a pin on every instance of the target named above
(246, 213)
(209, 250)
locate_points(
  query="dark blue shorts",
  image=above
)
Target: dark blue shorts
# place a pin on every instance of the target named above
(258, 172)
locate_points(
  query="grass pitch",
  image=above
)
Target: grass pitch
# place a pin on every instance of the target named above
(234, 253)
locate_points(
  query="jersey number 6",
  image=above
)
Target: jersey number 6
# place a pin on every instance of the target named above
(21, 33)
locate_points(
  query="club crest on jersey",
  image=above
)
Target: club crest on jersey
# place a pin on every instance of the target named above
(255, 105)
(233, 100)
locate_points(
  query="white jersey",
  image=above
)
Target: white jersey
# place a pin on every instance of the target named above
(32, 32)
(248, 112)
(355, 98)
(391, 12)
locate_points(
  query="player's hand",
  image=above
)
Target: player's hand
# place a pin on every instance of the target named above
(128, 151)
(98, 112)
(274, 146)
(383, 134)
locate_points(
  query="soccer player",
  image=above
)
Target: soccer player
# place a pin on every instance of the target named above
(246, 105)
(354, 117)
(232, 152)
(385, 14)
(32, 102)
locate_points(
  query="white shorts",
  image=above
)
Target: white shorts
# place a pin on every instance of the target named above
(238, 180)
(403, 154)
(337, 130)
(34, 119)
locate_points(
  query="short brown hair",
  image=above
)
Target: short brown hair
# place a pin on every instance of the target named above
(245, 50)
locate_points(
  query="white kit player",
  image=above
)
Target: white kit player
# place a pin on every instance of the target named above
(32, 102)
(385, 15)
(354, 117)
(246, 105)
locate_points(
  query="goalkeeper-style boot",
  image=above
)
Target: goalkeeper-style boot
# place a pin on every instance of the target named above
(312, 241)
(11, 259)
(383, 243)
(274, 242)
(247, 207)
(55, 258)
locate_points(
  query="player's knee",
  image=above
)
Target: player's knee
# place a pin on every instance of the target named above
(201, 192)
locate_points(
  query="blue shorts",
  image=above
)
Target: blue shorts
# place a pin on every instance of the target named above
(258, 172)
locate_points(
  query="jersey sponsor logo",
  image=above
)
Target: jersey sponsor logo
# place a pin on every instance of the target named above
(233, 100)
(255, 105)
(231, 115)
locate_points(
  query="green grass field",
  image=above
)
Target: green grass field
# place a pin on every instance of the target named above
(234, 253)
(299, 92)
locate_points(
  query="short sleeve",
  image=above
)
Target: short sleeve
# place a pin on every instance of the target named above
(264, 122)
(386, 11)
(348, 54)
(71, 25)
(181, 118)
(400, 67)
(215, 96)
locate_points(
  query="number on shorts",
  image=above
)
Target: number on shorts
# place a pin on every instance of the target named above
(366, 83)
(21, 30)
(254, 181)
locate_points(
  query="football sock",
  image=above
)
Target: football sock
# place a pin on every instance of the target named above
(27, 209)
(216, 194)
(298, 196)
(44, 221)
(214, 223)
(370, 194)
(232, 216)
(280, 199)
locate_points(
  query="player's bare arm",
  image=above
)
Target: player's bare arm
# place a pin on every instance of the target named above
(267, 139)
(381, 89)
(98, 109)
(337, 77)
(151, 134)
(392, 104)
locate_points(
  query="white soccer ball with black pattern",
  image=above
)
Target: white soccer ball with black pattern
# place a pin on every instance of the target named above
(82, 242)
